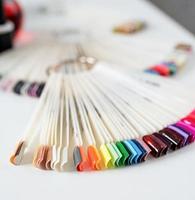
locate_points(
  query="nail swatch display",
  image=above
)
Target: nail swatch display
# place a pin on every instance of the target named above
(148, 55)
(93, 117)
(25, 72)
(174, 63)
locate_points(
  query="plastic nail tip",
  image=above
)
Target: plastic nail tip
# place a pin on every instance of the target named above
(106, 156)
(143, 151)
(163, 70)
(146, 148)
(124, 153)
(169, 144)
(113, 153)
(18, 86)
(117, 163)
(190, 120)
(17, 156)
(94, 158)
(131, 151)
(158, 148)
(37, 156)
(173, 137)
(80, 159)
(187, 128)
(177, 135)
(172, 67)
(185, 135)
(29, 92)
(163, 146)
(40, 89)
(138, 156)
(41, 157)
(34, 90)
(49, 158)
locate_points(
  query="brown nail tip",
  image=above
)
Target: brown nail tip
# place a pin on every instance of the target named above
(165, 140)
(158, 147)
(184, 46)
(176, 139)
(40, 158)
(16, 158)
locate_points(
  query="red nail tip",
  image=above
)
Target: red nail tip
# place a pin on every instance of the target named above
(84, 164)
(163, 70)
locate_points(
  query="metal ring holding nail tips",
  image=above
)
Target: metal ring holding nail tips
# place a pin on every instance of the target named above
(88, 61)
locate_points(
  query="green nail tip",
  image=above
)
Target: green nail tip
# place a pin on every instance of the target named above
(113, 153)
(172, 70)
(124, 153)
(117, 163)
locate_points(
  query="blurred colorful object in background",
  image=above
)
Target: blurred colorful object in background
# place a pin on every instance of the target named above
(13, 12)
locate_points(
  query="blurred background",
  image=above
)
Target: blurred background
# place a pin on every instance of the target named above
(181, 10)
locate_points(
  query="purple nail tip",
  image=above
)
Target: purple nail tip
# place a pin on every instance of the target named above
(181, 132)
(34, 90)
(187, 128)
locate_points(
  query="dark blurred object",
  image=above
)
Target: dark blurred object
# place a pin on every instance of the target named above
(6, 30)
(180, 10)
(13, 12)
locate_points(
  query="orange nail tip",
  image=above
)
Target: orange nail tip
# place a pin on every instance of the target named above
(94, 158)
(16, 158)
(80, 159)
(37, 156)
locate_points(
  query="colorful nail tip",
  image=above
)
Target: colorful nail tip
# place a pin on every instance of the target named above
(94, 158)
(187, 128)
(107, 159)
(165, 140)
(174, 136)
(158, 148)
(185, 135)
(113, 154)
(124, 154)
(80, 159)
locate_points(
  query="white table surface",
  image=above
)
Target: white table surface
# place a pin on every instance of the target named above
(169, 177)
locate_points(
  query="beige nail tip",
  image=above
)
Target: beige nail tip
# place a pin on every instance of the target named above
(16, 158)
(49, 158)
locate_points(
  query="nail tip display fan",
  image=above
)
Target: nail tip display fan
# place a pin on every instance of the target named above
(114, 118)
